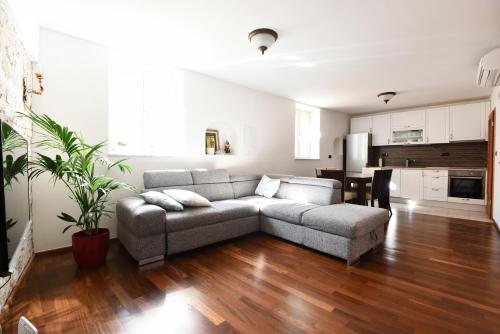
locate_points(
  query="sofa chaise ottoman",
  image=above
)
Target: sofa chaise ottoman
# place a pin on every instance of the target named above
(304, 210)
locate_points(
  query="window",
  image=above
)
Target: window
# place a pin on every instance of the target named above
(307, 132)
(145, 112)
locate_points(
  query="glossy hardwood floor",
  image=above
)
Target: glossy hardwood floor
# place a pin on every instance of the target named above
(433, 275)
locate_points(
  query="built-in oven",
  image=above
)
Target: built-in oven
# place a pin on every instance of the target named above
(466, 185)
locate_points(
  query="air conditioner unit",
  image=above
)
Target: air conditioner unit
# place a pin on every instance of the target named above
(488, 73)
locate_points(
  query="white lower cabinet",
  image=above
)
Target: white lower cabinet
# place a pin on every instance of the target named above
(395, 185)
(436, 185)
(412, 184)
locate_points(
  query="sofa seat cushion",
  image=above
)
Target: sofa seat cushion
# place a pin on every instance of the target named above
(287, 210)
(259, 201)
(347, 220)
(234, 209)
(191, 217)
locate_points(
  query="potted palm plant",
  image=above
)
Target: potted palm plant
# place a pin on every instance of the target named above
(83, 169)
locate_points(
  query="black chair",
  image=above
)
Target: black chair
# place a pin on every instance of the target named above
(381, 189)
(335, 174)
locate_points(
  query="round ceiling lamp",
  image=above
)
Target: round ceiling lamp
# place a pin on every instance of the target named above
(263, 38)
(386, 96)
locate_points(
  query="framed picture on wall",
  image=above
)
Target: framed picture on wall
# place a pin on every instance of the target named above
(212, 141)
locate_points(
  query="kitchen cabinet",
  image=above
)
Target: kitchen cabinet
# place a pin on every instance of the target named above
(467, 122)
(395, 184)
(408, 120)
(411, 184)
(436, 185)
(381, 130)
(361, 124)
(437, 125)
(408, 127)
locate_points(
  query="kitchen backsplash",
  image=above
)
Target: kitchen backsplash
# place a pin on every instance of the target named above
(472, 154)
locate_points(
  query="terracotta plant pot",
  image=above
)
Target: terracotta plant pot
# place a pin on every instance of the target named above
(90, 251)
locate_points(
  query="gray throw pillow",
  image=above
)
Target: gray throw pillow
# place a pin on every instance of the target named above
(187, 198)
(162, 200)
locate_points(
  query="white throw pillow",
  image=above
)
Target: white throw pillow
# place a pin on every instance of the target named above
(187, 198)
(162, 200)
(267, 187)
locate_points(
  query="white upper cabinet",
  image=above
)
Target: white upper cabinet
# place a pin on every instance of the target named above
(408, 120)
(381, 130)
(437, 125)
(408, 127)
(467, 122)
(361, 124)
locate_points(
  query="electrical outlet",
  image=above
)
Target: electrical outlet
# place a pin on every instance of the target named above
(26, 327)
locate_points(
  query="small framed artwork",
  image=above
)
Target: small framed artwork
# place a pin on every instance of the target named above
(212, 141)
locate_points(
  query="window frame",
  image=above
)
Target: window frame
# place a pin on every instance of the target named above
(314, 132)
(141, 149)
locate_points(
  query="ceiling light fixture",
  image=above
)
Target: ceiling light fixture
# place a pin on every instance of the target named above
(263, 38)
(386, 96)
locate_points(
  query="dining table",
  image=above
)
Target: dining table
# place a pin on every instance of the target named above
(361, 181)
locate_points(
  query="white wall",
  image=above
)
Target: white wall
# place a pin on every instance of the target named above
(76, 95)
(495, 103)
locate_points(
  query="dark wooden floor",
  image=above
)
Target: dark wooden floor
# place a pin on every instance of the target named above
(433, 275)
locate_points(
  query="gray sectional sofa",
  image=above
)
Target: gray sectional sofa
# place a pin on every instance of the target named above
(305, 210)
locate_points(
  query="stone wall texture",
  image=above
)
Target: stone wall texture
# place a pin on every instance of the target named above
(15, 67)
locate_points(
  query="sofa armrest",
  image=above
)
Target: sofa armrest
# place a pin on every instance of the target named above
(336, 195)
(140, 218)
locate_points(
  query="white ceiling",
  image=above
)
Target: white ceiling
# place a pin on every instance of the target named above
(336, 54)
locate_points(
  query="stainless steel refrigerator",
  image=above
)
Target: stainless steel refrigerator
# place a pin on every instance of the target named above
(358, 152)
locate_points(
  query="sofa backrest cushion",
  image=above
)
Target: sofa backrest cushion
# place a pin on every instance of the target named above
(160, 189)
(213, 184)
(330, 183)
(244, 185)
(203, 176)
(309, 190)
(284, 179)
(216, 185)
(166, 178)
(215, 191)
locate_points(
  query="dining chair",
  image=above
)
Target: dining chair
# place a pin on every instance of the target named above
(380, 189)
(335, 174)
(350, 192)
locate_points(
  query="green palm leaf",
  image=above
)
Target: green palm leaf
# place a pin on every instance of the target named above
(75, 165)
